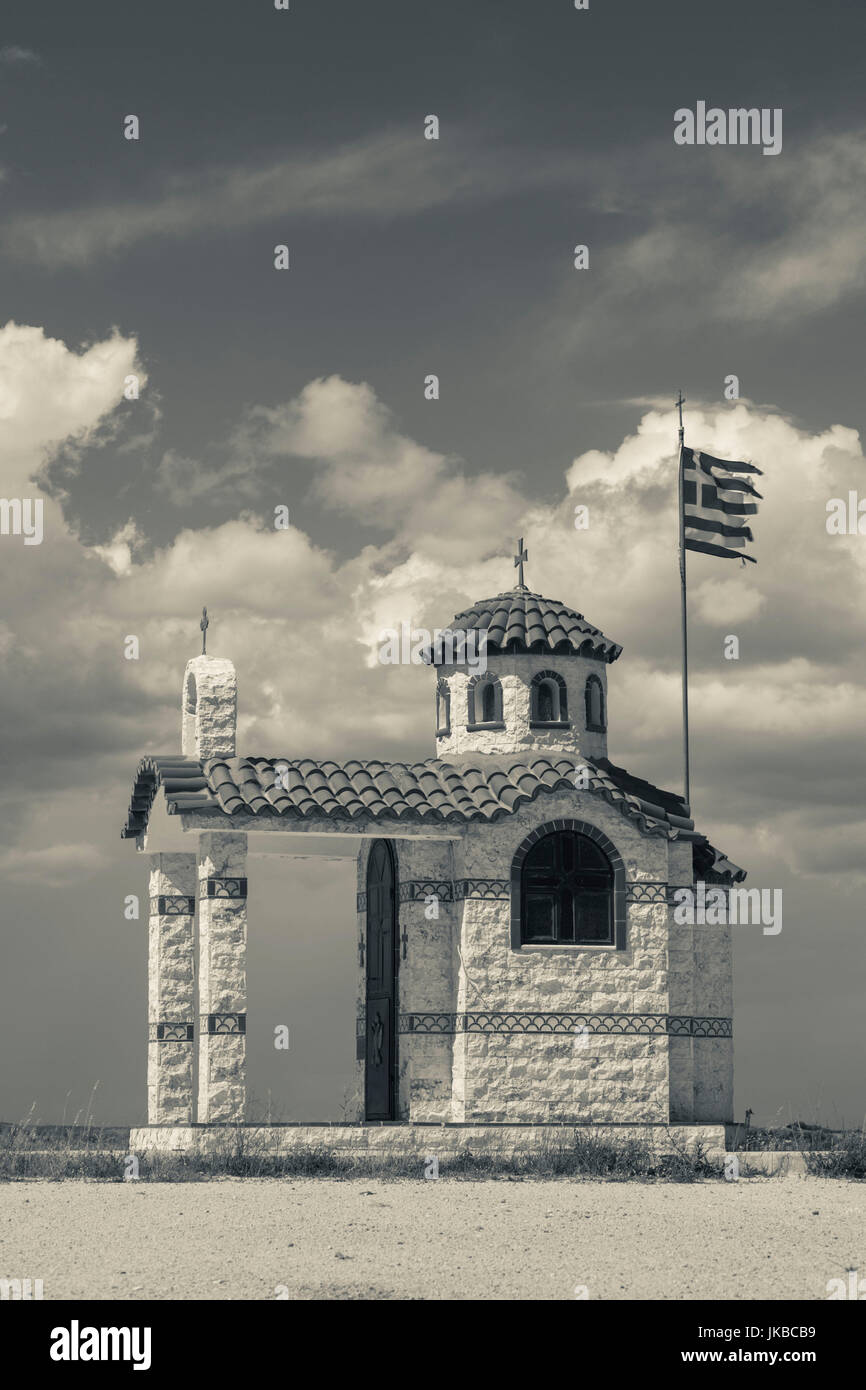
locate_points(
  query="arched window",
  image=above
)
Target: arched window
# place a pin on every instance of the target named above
(485, 701)
(566, 892)
(443, 708)
(548, 699)
(595, 717)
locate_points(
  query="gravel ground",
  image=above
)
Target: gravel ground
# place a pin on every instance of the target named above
(368, 1239)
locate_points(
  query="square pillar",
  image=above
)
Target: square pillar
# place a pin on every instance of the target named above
(171, 989)
(222, 985)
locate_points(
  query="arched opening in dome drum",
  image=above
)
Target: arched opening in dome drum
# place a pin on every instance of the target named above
(547, 703)
(443, 708)
(595, 719)
(548, 699)
(488, 703)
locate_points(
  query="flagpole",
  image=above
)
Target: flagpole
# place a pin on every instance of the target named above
(684, 611)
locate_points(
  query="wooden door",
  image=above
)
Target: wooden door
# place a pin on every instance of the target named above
(381, 1062)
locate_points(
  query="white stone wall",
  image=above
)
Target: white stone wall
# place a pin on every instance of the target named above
(464, 961)
(515, 673)
(222, 979)
(535, 1076)
(426, 980)
(701, 984)
(210, 708)
(171, 990)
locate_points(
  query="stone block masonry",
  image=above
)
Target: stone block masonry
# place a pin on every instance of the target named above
(222, 935)
(171, 989)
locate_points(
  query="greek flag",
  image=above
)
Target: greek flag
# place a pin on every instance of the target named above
(716, 503)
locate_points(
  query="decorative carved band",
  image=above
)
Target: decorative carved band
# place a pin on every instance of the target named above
(224, 1023)
(656, 1025)
(415, 890)
(168, 1031)
(491, 890)
(723, 888)
(646, 892)
(227, 888)
(172, 905)
(498, 889)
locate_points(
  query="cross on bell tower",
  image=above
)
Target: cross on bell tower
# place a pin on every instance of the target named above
(204, 625)
(519, 559)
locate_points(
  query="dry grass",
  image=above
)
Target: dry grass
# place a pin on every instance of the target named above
(846, 1158)
(83, 1150)
(86, 1152)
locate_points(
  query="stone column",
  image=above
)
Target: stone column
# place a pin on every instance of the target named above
(171, 989)
(426, 923)
(222, 936)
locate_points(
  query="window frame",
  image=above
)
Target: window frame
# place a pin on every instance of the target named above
(538, 680)
(618, 890)
(592, 681)
(474, 700)
(443, 701)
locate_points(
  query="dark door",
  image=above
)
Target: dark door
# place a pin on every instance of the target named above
(379, 1089)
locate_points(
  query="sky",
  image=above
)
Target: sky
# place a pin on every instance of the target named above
(305, 388)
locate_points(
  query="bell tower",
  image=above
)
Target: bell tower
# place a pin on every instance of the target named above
(210, 704)
(521, 672)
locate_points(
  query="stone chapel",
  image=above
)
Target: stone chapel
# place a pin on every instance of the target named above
(518, 961)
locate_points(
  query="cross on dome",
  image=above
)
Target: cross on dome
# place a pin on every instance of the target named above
(521, 556)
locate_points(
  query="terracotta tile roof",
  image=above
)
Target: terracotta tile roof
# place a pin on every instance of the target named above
(481, 788)
(518, 621)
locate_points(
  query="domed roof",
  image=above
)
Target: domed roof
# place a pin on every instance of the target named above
(520, 621)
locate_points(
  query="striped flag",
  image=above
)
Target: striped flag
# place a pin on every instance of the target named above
(716, 503)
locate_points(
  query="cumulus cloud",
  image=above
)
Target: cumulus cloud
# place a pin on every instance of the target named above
(118, 553)
(50, 395)
(366, 467)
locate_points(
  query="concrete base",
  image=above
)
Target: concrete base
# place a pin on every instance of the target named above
(441, 1140)
(772, 1162)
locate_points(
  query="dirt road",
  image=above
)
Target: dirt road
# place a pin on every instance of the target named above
(446, 1239)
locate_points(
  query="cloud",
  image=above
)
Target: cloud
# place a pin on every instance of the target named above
(390, 174)
(12, 53)
(120, 551)
(50, 395)
(783, 242)
(728, 596)
(55, 864)
(362, 465)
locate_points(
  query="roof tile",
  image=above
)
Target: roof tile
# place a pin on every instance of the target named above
(485, 789)
(522, 621)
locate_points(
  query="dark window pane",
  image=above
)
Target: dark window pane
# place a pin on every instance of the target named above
(567, 889)
(593, 916)
(539, 917)
(590, 856)
(545, 703)
(568, 852)
(566, 915)
(488, 703)
(543, 853)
